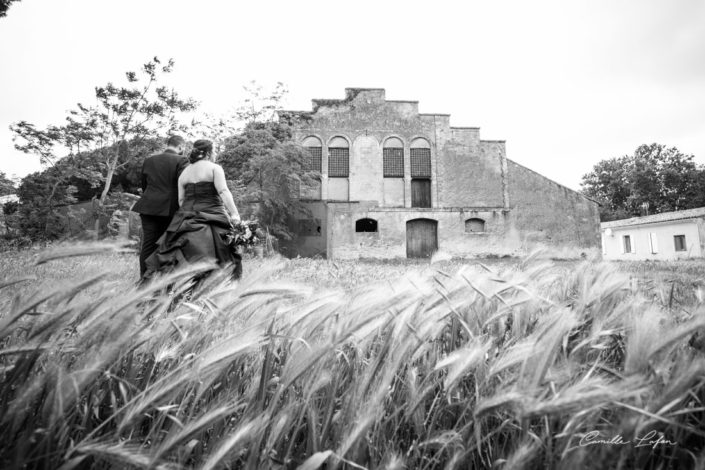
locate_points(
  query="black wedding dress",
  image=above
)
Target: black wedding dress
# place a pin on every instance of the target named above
(198, 232)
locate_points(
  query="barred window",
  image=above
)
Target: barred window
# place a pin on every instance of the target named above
(393, 158)
(420, 158)
(314, 147)
(393, 162)
(338, 158)
(420, 163)
(313, 163)
(338, 162)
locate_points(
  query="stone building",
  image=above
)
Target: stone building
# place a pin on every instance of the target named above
(397, 183)
(665, 236)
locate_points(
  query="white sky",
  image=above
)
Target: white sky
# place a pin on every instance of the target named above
(565, 82)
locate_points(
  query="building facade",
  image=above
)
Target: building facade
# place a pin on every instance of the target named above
(666, 236)
(397, 183)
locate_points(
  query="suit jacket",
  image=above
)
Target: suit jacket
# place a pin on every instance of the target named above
(160, 176)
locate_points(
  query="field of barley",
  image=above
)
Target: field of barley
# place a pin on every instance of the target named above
(516, 363)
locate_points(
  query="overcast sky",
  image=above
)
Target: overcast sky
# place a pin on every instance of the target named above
(566, 83)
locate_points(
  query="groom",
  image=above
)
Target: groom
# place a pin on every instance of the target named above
(160, 200)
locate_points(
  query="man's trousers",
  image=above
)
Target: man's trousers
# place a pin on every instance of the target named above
(153, 227)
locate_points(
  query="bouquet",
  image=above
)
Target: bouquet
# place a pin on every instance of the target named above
(246, 234)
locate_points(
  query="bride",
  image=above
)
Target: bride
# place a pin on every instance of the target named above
(205, 218)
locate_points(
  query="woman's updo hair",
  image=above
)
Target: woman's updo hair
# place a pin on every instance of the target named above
(201, 150)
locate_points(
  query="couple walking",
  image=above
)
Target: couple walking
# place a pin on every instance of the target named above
(187, 210)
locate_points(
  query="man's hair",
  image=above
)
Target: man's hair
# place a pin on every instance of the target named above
(175, 141)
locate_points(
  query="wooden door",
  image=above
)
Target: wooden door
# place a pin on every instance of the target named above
(420, 192)
(421, 238)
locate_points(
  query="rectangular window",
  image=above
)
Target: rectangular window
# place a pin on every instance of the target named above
(420, 163)
(679, 242)
(393, 162)
(653, 241)
(627, 246)
(314, 161)
(338, 162)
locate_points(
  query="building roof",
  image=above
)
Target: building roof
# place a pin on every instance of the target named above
(650, 219)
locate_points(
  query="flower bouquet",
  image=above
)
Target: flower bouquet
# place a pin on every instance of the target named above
(245, 234)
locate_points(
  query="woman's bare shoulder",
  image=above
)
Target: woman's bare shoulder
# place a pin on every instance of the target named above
(201, 171)
(185, 173)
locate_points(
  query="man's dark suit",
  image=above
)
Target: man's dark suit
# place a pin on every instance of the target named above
(160, 198)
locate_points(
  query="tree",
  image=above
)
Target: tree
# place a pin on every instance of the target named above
(77, 178)
(264, 167)
(42, 193)
(42, 196)
(268, 169)
(654, 179)
(45, 196)
(5, 5)
(7, 186)
(9, 214)
(128, 177)
(122, 116)
(258, 105)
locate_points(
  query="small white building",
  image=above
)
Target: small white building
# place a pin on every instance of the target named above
(666, 236)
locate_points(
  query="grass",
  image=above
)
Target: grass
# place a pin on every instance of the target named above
(313, 364)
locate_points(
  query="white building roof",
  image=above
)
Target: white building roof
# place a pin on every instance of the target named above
(650, 219)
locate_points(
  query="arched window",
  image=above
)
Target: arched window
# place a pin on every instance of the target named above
(315, 149)
(338, 158)
(366, 225)
(393, 158)
(474, 225)
(420, 158)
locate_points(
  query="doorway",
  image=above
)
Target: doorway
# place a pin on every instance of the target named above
(421, 238)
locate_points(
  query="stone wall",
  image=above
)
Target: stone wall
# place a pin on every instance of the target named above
(521, 208)
(470, 171)
(366, 181)
(466, 171)
(546, 213)
(390, 239)
(311, 237)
